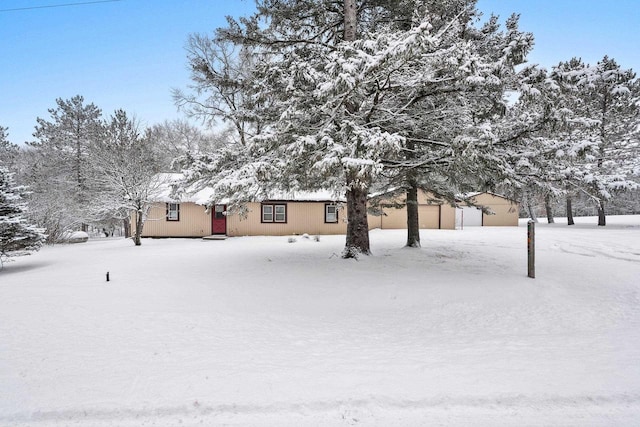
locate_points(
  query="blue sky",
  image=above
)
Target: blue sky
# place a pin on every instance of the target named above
(130, 53)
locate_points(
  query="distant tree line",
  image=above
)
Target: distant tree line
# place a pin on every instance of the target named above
(83, 169)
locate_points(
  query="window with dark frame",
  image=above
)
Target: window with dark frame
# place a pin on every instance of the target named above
(330, 213)
(274, 212)
(173, 212)
(280, 214)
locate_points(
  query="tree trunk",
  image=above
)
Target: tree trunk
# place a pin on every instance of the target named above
(350, 20)
(548, 208)
(127, 227)
(413, 224)
(357, 223)
(602, 219)
(569, 211)
(139, 224)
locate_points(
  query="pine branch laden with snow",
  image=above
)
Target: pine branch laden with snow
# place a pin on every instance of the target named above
(586, 137)
(59, 168)
(603, 128)
(65, 140)
(8, 151)
(17, 236)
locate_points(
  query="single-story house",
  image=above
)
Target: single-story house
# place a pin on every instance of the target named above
(312, 213)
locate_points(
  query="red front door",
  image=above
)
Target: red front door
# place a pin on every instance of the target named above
(219, 220)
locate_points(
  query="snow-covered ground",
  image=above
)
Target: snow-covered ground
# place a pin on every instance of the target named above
(260, 331)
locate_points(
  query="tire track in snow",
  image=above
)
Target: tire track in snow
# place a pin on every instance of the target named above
(367, 407)
(591, 251)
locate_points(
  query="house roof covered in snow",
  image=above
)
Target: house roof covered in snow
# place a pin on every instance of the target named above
(170, 180)
(203, 196)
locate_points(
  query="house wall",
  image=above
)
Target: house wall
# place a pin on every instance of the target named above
(194, 222)
(506, 211)
(447, 217)
(308, 217)
(302, 217)
(428, 217)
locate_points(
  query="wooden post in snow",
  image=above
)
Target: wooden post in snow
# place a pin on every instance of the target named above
(531, 249)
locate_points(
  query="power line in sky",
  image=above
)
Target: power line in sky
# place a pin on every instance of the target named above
(58, 5)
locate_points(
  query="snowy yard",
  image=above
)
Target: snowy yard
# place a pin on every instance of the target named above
(259, 331)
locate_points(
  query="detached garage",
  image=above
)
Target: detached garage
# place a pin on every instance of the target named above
(468, 216)
(433, 213)
(503, 211)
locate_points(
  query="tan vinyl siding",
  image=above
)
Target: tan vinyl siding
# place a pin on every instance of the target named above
(506, 211)
(447, 217)
(393, 218)
(309, 217)
(396, 218)
(428, 216)
(374, 221)
(194, 222)
(431, 215)
(302, 217)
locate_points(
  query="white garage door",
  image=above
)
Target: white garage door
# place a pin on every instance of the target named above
(468, 217)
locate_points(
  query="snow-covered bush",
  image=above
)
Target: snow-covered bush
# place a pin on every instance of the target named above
(74, 237)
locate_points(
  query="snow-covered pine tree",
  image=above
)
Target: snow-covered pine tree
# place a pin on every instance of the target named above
(8, 151)
(313, 135)
(450, 103)
(611, 98)
(339, 90)
(543, 163)
(17, 235)
(588, 141)
(575, 148)
(59, 164)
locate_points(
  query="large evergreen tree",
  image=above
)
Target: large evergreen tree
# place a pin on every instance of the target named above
(63, 144)
(601, 130)
(612, 102)
(348, 83)
(542, 164)
(449, 106)
(586, 140)
(17, 236)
